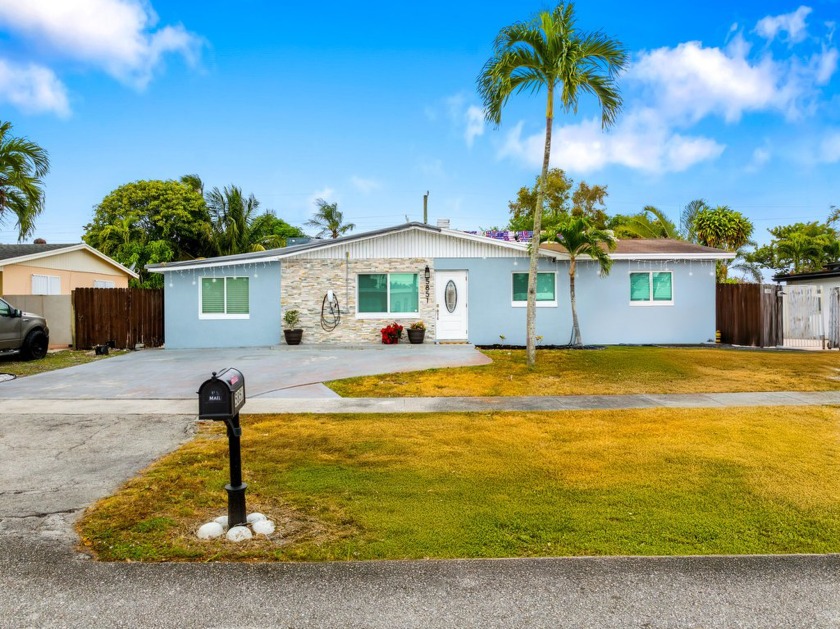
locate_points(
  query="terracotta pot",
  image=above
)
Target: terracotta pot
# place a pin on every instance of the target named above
(415, 337)
(293, 337)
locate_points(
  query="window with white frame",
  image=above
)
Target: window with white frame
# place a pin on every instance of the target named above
(546, 289)
(652, 288)
(104, 284)
(223, 298)
(388, 294)
(46, 285)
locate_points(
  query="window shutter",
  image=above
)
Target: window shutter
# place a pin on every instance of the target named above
(237, 295)
(212, 295)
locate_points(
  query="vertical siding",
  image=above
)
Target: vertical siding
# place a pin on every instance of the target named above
(414, 243)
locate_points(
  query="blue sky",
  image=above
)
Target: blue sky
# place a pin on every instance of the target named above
(372, 104)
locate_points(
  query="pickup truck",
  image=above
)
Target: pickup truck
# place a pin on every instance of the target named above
(23, 331)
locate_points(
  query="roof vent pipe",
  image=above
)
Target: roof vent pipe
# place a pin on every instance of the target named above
(443, 223)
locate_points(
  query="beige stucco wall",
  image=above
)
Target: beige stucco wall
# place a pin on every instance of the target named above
(56, 309)
(305, 282)
(17, 278)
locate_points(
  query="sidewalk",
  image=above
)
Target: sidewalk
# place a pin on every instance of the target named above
(266, 405)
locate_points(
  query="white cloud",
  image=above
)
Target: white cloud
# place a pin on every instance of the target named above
(326, 193)
(33, 88)
(791, 23)
(475, 124)
(830, 148)
(691, 81)
(365, 186)
(760, 156)
(640, 141)
(824, 65)
(117, 36)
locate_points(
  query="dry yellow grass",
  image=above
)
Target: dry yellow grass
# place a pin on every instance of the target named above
(665, 481)
(614, 370)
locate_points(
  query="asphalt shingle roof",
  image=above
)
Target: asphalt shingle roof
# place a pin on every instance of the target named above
(8, 252)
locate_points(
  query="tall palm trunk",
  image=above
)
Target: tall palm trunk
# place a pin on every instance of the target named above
(575, 341)
(531, 315)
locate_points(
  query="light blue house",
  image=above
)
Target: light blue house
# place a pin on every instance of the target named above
(464, 287)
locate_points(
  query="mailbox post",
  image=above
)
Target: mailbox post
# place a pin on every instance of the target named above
(220, 399)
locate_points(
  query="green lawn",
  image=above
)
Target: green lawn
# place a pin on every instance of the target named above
(653, 482)
(11, 363)
(613, 370)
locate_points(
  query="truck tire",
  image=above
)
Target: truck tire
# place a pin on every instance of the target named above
(35, 345)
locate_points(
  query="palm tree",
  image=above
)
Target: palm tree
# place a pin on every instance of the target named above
(23, 166)
(580, 238)
(329, 220)
(549, 52)
(232, 216)
(688, 216)
(801, 251)
(651, 222)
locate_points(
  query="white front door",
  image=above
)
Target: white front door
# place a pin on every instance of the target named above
(451, 300)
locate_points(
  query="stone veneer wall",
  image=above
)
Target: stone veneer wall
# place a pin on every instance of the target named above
(305, 282)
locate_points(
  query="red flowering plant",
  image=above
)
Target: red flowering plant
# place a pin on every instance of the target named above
(391, 334)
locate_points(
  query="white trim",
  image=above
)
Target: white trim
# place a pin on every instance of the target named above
(222, 315)
(540, 304)
(70, 249)
(388, 315)
(650, 302)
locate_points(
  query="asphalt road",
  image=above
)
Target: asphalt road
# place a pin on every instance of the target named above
(42, 585)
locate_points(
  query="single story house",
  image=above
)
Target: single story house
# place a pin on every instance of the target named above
(43, 269)
(464, 287)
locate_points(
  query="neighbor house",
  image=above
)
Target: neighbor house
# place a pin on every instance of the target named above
(464, 287)
(812, 306)
(44, 269)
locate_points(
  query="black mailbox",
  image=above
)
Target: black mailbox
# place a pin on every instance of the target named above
(222, 396)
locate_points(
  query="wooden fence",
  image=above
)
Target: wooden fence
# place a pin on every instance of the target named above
(749, 314)
(127, 316)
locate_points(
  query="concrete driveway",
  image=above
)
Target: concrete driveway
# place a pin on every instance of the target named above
(158, 374)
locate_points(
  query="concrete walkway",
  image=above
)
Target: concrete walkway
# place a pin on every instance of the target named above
(269, 405)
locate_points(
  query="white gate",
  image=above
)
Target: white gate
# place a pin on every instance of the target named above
(803, 317)
(833, 332)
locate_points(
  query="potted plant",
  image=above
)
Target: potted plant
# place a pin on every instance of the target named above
(391, 334)
(416, 332)
(292, 332)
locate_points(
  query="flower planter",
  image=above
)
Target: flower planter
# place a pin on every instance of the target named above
(293, 337)
(415, 337)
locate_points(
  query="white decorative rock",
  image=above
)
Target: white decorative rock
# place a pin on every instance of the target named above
(239, 534)
(211, 530)
(222, 519)
(256, 517)
(263, 527)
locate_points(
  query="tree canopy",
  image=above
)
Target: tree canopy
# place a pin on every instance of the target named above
(649, 223)
(148, 222)
(329, 220)
(23, 166)
(799, 248)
